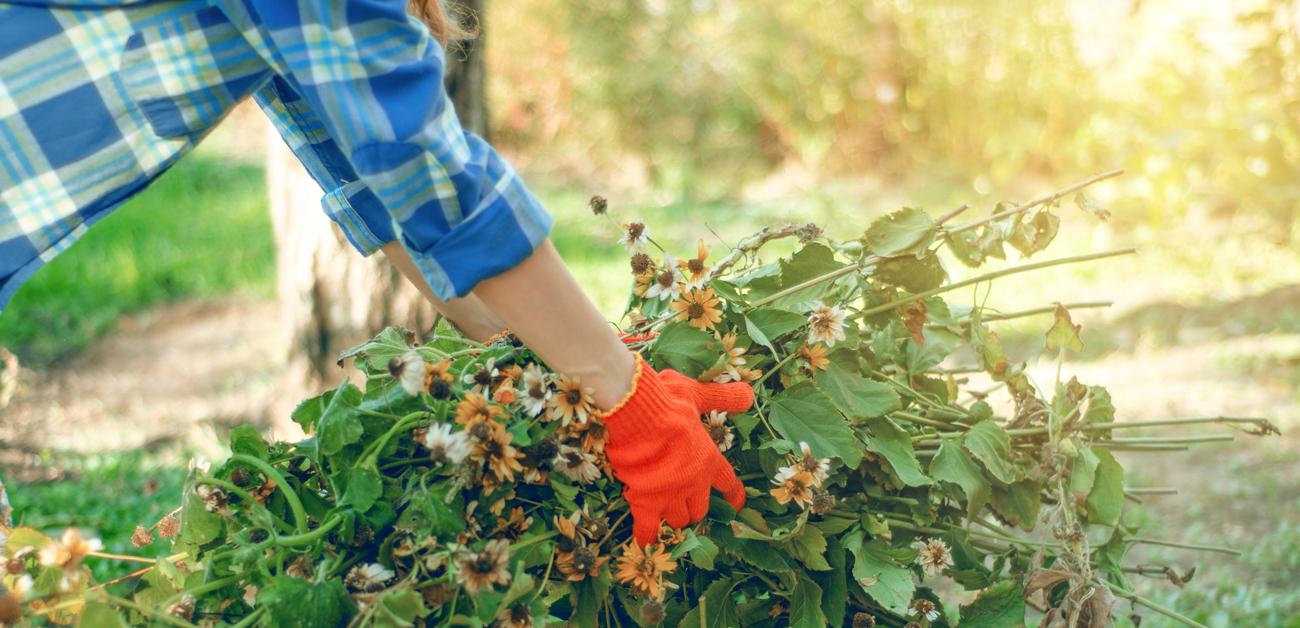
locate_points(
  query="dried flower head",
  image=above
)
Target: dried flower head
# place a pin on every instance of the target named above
(669, 535)
(815, 357)
(652, 613)
(642, 265)
(537, 390)
(637, 318)
(214, 497)
(933, 556)
(581, 563)
(826, 324)
(517, 616)
(183, 608)
(368, 578)
(635, 236)
(576, 464)
(572, 402)
(823, 501)
(438, 379)
(667, 283)
(168, 526)
(864, 620)
(716, 424)
(922, 607)
(796, 488)
(444, 445)
(141, 537)
(643, 569)
(480, 379)
(699, 308)
(819, 467)
(483, 569)
(598, 205)
(301, 567)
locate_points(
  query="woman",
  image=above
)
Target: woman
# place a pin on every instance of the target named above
(99, 97)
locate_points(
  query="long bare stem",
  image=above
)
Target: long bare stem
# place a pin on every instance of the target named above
(1042, 200)
(1043, 310)
(1141, 601)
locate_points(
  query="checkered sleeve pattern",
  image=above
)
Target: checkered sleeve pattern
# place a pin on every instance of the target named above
(374, 77)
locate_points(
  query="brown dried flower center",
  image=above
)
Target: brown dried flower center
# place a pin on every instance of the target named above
(635, 230)
(696, 265)
(483, 378)
(583, 559)
(573, 396)
(536, 391)
(695, 310)
(665, 278)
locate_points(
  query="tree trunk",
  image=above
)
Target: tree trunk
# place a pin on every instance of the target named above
(331, 298)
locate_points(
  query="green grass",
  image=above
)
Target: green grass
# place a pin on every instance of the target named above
(201, 231)
(105, 496)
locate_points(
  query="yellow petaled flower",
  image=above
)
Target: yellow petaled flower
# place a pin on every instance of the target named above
(669, 535)
(815, 356)
(571, 402)
(635, 236)
(819, 467)
(438, 379)
(481, 570)
(505, 394)
(643, 569)
(474, 408)
(499, 458)
(594, 436)
(481, 378)
(933, 556)
(666, 284)
(695, 270)
(734, 370)
(796, 488)
(698, 308)
(826, 324)
(716, 424)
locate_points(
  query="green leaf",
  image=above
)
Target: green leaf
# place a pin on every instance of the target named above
(685, 349)
(363, 489)
(245, 439)
(895, 445)
(904, 231)
(999, 606)
(913, 274)
(1106, 501)
(399, 609)
(810, 262)
(875, 569)
(296, 603)
(1032, 234)
(1019, 503)
(991, 445)
(806, 605)
(809, 546)
(855, 395)
(766, 325)
(803, 414)
(100, 615)
(953, 464)
(1100, 408)
(1083, 472)
(704, 553)
(198, 526)
(390, 343)
(338, 426)
(1064, 333)
(719, 608)
(834, 582)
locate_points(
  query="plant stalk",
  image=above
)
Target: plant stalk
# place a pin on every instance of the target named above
(1042, 200)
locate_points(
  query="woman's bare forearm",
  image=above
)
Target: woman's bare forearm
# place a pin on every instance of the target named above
(542, 303)
(468, 314)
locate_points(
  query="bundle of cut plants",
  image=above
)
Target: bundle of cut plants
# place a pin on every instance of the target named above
(467, 484)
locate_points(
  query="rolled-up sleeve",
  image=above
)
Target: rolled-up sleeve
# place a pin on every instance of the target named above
(374, 78)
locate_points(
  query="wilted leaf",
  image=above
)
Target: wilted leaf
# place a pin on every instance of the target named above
(1064, 333)
(911, 273)
(914, 320)
(905, 231)
(1086, 203)
(804, 414)
(1033, 233)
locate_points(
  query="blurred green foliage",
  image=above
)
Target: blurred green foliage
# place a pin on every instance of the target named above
(1199, 100)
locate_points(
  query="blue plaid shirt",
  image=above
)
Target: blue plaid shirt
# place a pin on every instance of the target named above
(99, 97)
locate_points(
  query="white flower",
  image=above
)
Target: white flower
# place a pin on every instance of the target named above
(716, 424)
(481, 379)
(635, 236)
(444, 445)
(932, 555)
(23, 586)
(409, 371)
(826, 324)
(576, 464)
(667, 284)
(924, 608)
(820, 468)
(368, 578)
(537, 391)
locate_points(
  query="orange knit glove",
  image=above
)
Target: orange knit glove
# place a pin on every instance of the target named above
(663, 455)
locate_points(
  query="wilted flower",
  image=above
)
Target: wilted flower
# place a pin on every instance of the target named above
(643, 569)
(716, 424)
(698, 308)
(815, 356)
(669, 535)
(301, 567)
(368, 578)
(863, 620)
(796, 488)
(571, 402)
(598, 205)
(823, 501)
(642, 265)
(580, 563)
(506, 393)
(826, 324)
(734, 368)
(168, 526)
(576, 464)
(932, 555)
(500, 459)
(635, 236)
(183, 608)
(667, 283)
(517, 616)
(537, 392)
(696, 271)
(410, 370)
(438, 379)
(819, 467)
(637, 318)
(444, 445)
(652, 613)
(922, 607)
(480, 570)
(141, 537)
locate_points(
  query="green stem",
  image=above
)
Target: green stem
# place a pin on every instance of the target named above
(295, 504)
(532, 540)
(1173, 440)
(162, 617)
(252, 617)
(1147, 447)
(307, 538)
(1039, 310)
(897, 303)
(371, 453)
(248, 497)
(1042, 200)
(1189, 546)
(1141, 601)
(1261, 424)
(200, 590)
(920, 420)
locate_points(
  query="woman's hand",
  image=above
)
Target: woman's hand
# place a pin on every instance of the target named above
(661, 452)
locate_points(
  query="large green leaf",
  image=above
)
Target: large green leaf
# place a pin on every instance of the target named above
(810, 262)
(803, 414)
(907, 230)
(999, 606)
(991, 445)
(293, 602)
(953, 464)
(363, 488)
(895, 445)
(806, 605)
(719, 608)
(1106, 501)
(339, 425)
(686, 349)
(912, 273)
(834, 582)
(879, 574)
(809, 546)
(768, 324)
(855, 395)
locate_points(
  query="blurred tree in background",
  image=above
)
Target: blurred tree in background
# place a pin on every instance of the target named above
(1196, 98)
